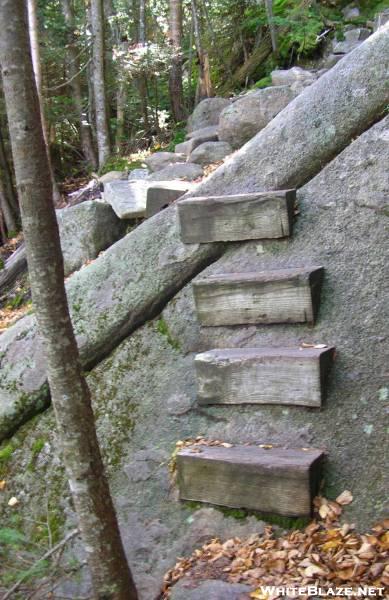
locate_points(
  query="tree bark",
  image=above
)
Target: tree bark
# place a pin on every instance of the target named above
(9, 203)
(102, 127)
(71, 399)
(85, 129)
(142, 22)
(272, 29)
(8, 216)
(175, 78)
(204, 86)
(33, 27)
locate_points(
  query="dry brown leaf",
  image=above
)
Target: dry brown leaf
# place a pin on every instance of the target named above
(3, 484)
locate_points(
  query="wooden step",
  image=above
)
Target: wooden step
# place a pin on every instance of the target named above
(161, 193)
(281, 296)
(263, 375)
(274, 480)
(239, 217)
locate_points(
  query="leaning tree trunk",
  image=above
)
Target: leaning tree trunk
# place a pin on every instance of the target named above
(84, 126)
(71, 399)
(175, 78)
(102, 128)
(33, 27)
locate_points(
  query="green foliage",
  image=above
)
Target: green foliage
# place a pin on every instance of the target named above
(115, 163)
(6, 453)
(11, 537)
(264, 82)
(178, 137)
(2, 264)
(163, 329)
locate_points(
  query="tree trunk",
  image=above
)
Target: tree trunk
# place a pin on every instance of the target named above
(33, 27)
(272, 29)
(85, 130)
(204, 86)
(142, 21)
(121, 97)
(102, 128)
(175, 78)
(8, 217)
(8, 189)
(70, 395)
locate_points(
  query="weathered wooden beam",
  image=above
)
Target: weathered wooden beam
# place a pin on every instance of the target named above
(294, 376)
(281, 296)
(160, 194)
(239, 217)
(273, 480)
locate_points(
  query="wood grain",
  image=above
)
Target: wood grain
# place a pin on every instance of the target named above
(280, 296)
(263, 375)
(278, 481)
(239, 217)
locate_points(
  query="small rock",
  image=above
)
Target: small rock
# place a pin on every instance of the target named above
(160, 160)
(138, 174)
(184, 148)
(210, 152)
(351, 12)
(112, 176)
(352, 39)
(186, 171)
(207, 113)
(291, 76)
(210, 131)
(13, 502)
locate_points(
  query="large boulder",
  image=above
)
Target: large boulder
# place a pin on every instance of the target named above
(127, 198)
(138, 174)
(240, 121)
(112, 176)
(85, 230)
(207, 113)
(210, 132)
(187, 171)
(210, 152)
(108, 299)
(160, 160)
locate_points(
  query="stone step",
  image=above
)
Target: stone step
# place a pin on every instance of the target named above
(127, 198)
(294, 376)
(281, 296)
(162, 193)
(271, 480)
(239, 217)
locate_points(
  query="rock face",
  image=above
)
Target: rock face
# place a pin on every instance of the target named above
(187, 171)
(381, 19)
(160, 160)
(138, 174)
(240, 121)
(209, 590)
(291, 76)
(127, 198)
(352, 39)
(210, 152)
(113, 176)
(209, 132)
(313, 128)
(207, 113)
(86, 230)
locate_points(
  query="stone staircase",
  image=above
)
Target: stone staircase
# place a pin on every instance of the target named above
(264, 478)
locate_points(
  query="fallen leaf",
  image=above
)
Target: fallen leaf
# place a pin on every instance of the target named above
(3, 483)
(13, 501)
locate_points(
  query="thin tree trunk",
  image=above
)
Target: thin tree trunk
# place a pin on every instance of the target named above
(7, 180)
(142, 21)
(175, 78)
(102, 128)
(33, 27)
(74, 74)
(273, 33)
(121, 97)
(204, 86)
(8, 216)
(71, 399)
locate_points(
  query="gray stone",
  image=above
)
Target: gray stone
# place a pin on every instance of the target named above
(112, 176)
(160, 160)
(209, 132)
(290, 76)
(381, 19)
(207, 113)
(240, 121)
(85, 230)
(208, 590)
(352, 39)
(186, 171)
(184, 148)
(210, 152)
(127, 198)
(351, 12)
(138, 174)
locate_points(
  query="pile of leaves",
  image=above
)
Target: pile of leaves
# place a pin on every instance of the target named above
(325, 554)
